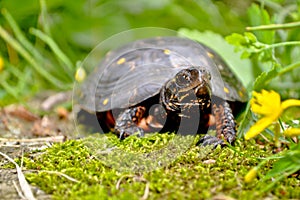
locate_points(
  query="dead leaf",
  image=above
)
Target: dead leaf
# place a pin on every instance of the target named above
(20, 112)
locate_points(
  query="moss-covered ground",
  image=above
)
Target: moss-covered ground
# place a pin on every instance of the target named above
(194, 173)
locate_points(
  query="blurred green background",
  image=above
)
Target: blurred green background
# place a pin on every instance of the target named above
(82, 24)
(76, 27)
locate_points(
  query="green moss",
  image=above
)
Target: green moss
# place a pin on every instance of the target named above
(185, 177)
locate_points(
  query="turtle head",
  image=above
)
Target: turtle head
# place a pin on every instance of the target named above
(189, 87)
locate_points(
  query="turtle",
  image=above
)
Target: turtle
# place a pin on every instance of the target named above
(165, 84)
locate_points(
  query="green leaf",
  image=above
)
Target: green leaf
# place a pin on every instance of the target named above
(241, 67)
(251, 37)
(236, 40)
(245, 55)
(288, 164)
(246, 43)
(246, 122)
(259, 16)
(261, 81)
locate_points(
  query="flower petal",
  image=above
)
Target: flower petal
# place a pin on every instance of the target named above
(266, 103)
(290, 132)
(290, 102)
(1, 63)
(258, 127)
(251, 175)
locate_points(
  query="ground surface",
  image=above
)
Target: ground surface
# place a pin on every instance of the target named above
(9, 178)
(22, 131)
(102, 167)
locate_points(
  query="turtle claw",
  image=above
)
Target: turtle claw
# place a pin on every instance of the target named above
(133, 130)
(126, 123)
(230, 139)
(211, 140)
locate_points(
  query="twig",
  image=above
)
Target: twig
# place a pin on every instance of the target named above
(146, 191)
(59, 174)
(18, 190)
(55, 99)
(59, 138)
(120, 180)
(138, 178)
(25, 187)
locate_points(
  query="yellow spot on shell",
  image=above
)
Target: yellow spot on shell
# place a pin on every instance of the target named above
(121, 61)
(226, 90)
(105, 102)
(80, 75)
(241, 94)
(167, 51)
(210, 54)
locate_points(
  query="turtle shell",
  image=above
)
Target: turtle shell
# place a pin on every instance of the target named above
(138, 70)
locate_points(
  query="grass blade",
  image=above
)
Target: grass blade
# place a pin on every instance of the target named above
(20, 36)
(56, 50)
(45, 22)
(31, 60)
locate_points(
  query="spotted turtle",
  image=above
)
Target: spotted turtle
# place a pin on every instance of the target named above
(165, 84)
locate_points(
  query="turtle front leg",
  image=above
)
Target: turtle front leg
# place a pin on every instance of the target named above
(126, 123)
(225, 126)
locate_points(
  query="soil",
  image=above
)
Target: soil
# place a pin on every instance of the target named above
(24, 130)
(9, 179)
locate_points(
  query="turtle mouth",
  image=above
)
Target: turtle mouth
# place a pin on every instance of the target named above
(195, 96)
(202, 90)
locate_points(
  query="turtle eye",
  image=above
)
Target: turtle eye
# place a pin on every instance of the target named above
(183, 79)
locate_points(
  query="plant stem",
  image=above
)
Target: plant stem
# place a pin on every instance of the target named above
(274, 26)
(289, 68)
(281, 44)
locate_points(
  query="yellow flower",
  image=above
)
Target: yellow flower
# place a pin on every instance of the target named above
(269, 105)
(1, 63)
(292, 132)
(251, 175)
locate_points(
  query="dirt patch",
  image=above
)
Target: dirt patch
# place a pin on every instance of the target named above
(9, 182)
(24, 130)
